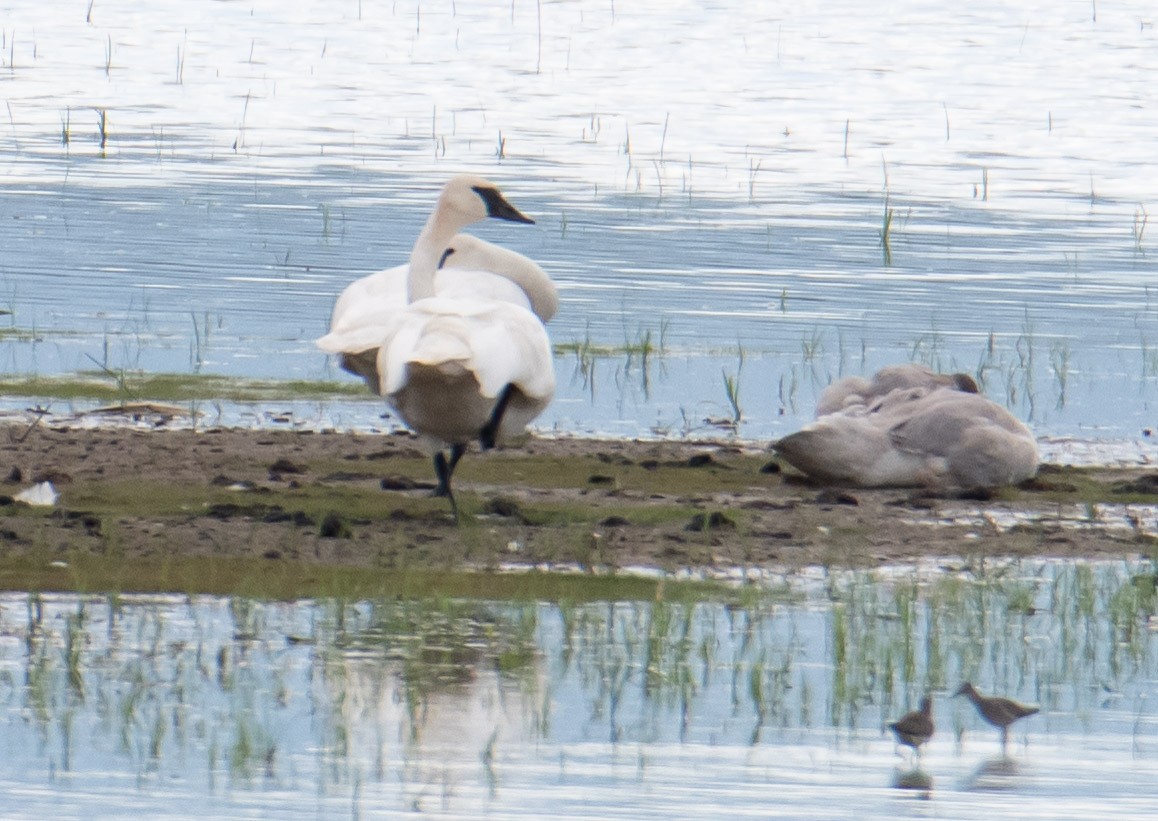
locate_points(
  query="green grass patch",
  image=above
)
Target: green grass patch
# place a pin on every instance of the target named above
(285, 580)
(15, 334)
(137, 386)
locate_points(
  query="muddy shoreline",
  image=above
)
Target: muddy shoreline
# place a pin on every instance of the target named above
(363, 500)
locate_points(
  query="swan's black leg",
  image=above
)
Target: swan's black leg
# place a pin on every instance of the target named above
(444, 469)
(486, 436)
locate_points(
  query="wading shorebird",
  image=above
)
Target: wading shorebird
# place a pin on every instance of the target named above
(996, 710)
(915, 728)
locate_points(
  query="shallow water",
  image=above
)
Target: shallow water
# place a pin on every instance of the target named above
(710, 181)
(467, 709)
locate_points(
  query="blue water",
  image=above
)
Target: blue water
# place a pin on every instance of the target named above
(726, 196)
(140, 705)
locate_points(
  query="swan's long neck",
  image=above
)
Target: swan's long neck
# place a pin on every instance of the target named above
(432, 242)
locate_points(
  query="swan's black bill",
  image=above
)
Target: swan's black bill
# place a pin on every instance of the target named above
(498, 207)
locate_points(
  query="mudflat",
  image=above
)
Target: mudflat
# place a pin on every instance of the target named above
(362, 500)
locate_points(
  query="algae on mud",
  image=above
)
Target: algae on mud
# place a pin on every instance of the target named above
(154, 505)
(120, 385)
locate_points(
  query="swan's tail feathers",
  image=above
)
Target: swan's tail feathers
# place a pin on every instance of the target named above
(442, 341)
(352, 340)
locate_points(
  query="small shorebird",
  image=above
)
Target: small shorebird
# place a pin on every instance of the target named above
(915, 728)
(998, 711)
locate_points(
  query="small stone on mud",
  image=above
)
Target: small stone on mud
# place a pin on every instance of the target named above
(1142, 485)
(770, 467)
(600, 479)
(501, 506)
(348, 476)
(397, 483)
(978, 494)
(649, 464)
(15, 475)
(828, 496)
(700, 460)
(92, 525)
(614, 521)
(271, 554)
(56, 477)
(225, 510)
(284, 465)
(768, 504)
(277, 515)
(334, 528)
(709, 521)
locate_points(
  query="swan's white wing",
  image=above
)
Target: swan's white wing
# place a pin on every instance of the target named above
(509, 345)
(385, 290)
(364, 311)
(470, 267)
(498, 342)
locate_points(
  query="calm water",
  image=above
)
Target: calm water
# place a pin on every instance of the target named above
(711, 179)
(142, 705)
(711, 182)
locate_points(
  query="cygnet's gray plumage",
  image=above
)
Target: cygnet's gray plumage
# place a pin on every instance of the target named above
(856, 390)
(941, 437)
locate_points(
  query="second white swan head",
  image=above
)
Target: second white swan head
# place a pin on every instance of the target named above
(465, 199)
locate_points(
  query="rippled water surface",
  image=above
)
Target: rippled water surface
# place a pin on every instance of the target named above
(770, 194)
(713, 185)
(151, 706)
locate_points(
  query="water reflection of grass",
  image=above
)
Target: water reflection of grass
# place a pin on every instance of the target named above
(165, 684)
(1044, 632)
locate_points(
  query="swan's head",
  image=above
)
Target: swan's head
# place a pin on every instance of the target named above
(467, 199)
(965, 383)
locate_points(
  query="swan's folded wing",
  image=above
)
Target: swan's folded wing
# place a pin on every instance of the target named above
(364, 310)
(510, 346)
(500, 343)
(980, 442)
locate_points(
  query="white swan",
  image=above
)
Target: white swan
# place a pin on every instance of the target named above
(456, 366)
(939, 437)
(469, 266)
